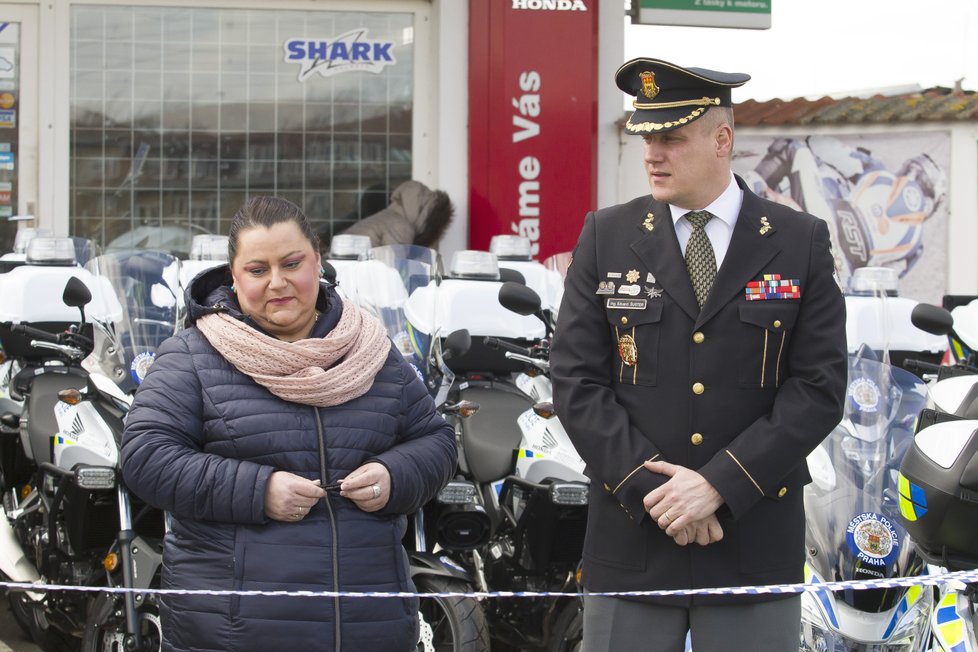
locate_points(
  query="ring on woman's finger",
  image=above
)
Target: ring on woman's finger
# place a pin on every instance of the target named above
(667, 517)
(376, 491)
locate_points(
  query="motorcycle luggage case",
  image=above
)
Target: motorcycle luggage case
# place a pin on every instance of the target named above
(938, 488)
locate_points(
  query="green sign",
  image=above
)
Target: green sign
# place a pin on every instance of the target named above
(748, 14)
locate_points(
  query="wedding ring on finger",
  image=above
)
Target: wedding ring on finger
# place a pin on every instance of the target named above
(667, 517)
(376, 491)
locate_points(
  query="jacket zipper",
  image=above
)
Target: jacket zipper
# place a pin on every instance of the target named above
(337, 622)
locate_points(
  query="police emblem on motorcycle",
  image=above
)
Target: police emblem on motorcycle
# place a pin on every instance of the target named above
(649, 87)
(864, 395)
(140, 366)
(873, 539)
(627, 350)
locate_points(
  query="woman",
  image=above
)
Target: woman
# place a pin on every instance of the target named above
(242, 430)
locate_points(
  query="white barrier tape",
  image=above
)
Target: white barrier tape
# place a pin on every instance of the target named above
(959, 577)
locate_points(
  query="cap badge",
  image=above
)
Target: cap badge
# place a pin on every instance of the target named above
(649, 88)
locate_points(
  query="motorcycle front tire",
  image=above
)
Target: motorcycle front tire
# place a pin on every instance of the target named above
(106, 625)
(568, 630)
(450, 624)
(20, 608)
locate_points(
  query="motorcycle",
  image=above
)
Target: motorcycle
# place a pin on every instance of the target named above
(937, 481)
(513, 455)
(853, 529)
(382, 282)
(74, 522)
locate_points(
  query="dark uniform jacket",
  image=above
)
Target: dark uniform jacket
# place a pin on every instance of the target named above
(740, 392)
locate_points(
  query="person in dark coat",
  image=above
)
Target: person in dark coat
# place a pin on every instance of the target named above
(287, 439)
(699, 357)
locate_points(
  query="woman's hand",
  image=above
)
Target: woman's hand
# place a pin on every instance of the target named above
(369, 487)
(289, 497)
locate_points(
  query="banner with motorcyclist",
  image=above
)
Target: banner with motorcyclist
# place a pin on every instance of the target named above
(884, 198)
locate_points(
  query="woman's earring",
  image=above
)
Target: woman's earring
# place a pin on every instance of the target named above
(233, 290)
(322, 271)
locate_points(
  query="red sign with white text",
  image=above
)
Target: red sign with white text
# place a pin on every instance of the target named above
(532, 120)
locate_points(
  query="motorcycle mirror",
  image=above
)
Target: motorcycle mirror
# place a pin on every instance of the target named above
(507, 274)
(518, 298)
(457, 343)
(931, 319)
(329, 272)
(77, 295)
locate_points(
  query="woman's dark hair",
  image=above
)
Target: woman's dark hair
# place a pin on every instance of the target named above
(265, 211)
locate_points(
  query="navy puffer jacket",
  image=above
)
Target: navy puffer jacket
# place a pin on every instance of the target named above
(202, 440)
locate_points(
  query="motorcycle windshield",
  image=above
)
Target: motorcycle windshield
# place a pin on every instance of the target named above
(398, 285)
(854, 530)
(146, 284)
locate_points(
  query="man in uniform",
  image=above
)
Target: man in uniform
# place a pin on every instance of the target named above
(700, 355)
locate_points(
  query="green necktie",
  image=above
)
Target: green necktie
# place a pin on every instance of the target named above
(700, 260)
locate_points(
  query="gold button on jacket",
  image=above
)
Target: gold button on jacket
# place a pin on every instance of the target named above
(698, 337)
(698, 388)
(696, 439)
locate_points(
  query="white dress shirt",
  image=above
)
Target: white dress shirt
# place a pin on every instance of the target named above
(725, 209)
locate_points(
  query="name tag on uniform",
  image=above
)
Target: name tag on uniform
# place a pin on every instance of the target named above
(626, 304)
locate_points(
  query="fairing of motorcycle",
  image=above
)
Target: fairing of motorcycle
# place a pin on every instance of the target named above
(854, 530)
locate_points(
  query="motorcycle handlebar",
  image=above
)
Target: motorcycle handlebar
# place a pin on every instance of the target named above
(496, 343)
(921, 366)
(36, 333)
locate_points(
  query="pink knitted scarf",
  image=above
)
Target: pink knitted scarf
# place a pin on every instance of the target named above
(320, 371)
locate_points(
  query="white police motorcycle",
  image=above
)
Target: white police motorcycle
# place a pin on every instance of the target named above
(73, 522)
(383, 281)
(518, 510)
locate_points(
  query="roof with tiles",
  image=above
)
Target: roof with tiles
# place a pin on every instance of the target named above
(931, 105)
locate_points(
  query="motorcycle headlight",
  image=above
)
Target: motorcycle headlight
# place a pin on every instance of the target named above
(95, 477)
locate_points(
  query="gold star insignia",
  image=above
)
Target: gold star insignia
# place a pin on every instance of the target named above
(632, 275)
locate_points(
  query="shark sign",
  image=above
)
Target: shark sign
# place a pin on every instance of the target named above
(349, 52)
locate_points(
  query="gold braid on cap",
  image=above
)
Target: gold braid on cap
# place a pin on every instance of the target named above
(703, 103)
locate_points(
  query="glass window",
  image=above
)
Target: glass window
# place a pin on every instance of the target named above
(9, 130)
(179, 114)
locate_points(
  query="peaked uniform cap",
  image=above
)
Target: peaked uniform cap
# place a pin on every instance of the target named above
(668, 96)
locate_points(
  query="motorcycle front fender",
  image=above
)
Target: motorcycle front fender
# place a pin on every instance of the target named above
(425, 563)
